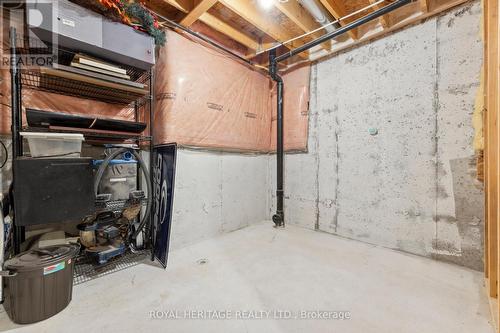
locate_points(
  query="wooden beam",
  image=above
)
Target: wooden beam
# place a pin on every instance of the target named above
(337, 9)
(228, 30)
(184, 6)
(424, 5)
(385, 20)
(201, 7)
(485, 138)
(248, 11)
(493, 107)
(492, 117)
(298, 15)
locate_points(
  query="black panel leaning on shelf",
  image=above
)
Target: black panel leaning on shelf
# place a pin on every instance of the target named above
(134, 93)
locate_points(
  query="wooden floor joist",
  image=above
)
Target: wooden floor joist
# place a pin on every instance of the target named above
(198, 10)
(248, 11)
(384, 20)
(337, 9)
(279, 21)
(297, 14)
(226, 29)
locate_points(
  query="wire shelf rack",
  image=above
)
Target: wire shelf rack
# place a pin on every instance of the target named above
(50, 78)
(86, 269)
(92, 135)
(118, 205)
(79, 81)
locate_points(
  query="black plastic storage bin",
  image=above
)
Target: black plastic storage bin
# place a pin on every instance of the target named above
(39, 283)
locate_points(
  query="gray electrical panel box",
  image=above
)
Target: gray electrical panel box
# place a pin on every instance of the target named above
(71, 26)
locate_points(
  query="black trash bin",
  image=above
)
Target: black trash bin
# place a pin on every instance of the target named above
(39, 283)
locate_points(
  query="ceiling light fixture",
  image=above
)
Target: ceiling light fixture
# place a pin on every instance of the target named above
(266, 4)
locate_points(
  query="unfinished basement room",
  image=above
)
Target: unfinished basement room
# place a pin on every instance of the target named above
(253, 166)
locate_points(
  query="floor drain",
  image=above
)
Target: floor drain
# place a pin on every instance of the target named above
(202, 261)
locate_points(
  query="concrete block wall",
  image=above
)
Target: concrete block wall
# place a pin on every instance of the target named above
(412, 185)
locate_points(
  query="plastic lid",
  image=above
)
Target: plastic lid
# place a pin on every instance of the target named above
(44, 256)
(47, 135)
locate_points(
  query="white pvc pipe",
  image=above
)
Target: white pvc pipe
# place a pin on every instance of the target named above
(317, 12)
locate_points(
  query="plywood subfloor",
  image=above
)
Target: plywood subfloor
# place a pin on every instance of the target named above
(260, 268)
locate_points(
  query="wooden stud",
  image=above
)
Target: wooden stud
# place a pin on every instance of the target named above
(199, 9)
(485, 138)
(494, 149)
(492, 153)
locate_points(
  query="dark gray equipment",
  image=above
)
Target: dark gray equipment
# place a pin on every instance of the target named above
(53, 190)
(77, 28)
(39, 283)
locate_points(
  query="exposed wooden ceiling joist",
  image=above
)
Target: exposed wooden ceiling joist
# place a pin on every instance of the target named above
(298, 15)
(184, 6)
(228, 30)
(435, 8)
(251, 28)
(337, 9)
(249, 12)
(385, 20)
(201, 7)
(424, 5)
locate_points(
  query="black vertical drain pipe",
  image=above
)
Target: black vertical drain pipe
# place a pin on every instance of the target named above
(279, 217)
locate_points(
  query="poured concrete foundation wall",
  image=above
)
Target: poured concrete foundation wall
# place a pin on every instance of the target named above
(217, 192)
(390, 158)
(5, 172)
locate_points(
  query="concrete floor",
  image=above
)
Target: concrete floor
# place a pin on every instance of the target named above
(260, 268)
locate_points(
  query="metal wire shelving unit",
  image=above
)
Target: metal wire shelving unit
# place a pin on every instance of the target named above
(135, 95)
(86, 269)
